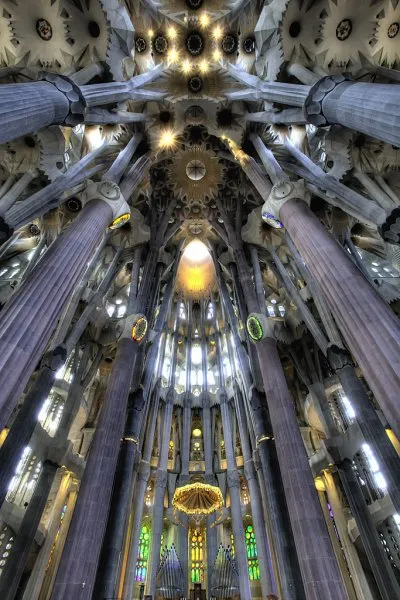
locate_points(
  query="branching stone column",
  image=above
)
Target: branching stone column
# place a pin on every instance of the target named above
(371, 108)
(28, 107)
(30, 317)
(234, 492)
(58, 100)
(282, 543)
(26, 420)
(369, 327)
(319, 569)
(78, 566)
(107, 576)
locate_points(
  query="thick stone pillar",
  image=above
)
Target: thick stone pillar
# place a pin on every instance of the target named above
(380, 564)
(161, 477)
(268, 585)
(369, 327)
(371, 108)
(12, 573)
(77, 571)
(234, 492)
(320, 572)
(289, 579)
(184, 477)
(138, 502)
(109, 566)
(29, 319)
(28, 107)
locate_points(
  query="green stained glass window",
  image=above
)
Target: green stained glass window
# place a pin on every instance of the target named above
(251, 551)
(196, 541)
(143, 553)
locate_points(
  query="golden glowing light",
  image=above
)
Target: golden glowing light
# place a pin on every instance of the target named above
(217, 32)
(171, 31)
(217, 55)
(173, 55)
(204, 20)
(196, 274)
(186, 66)
(239, 154)
(198, 499)
(203, 66)
(167, 140)
(150, 33)
(319, 484)
(196, 432)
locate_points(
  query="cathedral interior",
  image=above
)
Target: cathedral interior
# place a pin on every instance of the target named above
(199, 299)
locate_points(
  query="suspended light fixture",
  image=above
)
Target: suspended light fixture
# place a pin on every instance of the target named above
(198, 499)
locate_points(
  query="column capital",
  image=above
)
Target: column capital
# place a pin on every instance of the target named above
(72, 92)
(108, 192)
(281, 192)
(313, 106)
(338, 358)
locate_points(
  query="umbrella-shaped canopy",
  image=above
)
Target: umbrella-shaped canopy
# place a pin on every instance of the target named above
(198, 499)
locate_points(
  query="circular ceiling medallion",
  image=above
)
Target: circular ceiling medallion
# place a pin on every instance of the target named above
(393, 30)
(160, 44)
(344, 29)
(195, 43)
(229, 43)
(140, 45)
(44, 29)
(194, 4)
(195, 84)
(249, 45)
(195, 170)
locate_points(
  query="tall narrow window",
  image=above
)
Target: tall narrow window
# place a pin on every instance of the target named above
(251, 551)
(197, 555)
(143, 554)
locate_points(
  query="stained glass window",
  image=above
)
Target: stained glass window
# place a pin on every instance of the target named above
(143, 553)
(197, 555)
(251, 551)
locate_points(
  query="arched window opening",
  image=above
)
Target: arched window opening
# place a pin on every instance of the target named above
(143, 554)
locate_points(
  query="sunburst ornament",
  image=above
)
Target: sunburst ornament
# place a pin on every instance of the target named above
(196, 173)
(387, 47)
(346, 33)
(301, 26)
(39, 33)
(88, 31)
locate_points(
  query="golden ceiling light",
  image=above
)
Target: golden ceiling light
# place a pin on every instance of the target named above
(196, 432)
(167, 140)
(203, 66)
(198, 498)
(186, 66)
(204, 20)
(171, 31)
(173, 55)
(217, 32)
(196, 274)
